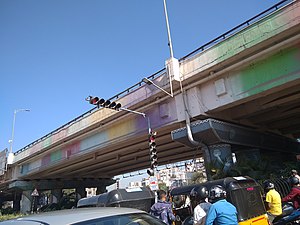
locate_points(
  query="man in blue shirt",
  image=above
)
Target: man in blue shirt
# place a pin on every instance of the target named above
(220, 212)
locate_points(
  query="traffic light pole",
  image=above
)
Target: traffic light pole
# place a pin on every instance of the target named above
(150, 133)
(139, 113)
(152, 170)
(100, 102)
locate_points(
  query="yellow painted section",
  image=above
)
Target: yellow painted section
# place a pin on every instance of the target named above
(260, 220)
(120, 129)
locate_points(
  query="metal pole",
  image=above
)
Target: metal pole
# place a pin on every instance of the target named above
(12, 133)
(168, 29)
(13, 127)
(149, 125)
(142, 114)
(132, 111)
(149, 132)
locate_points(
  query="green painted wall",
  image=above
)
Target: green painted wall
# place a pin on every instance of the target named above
(265, 74)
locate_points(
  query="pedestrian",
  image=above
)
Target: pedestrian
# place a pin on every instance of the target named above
(162, 209)
(295, 174)
(273, 201)
(294, 195)
(221, 212)
(199, 196)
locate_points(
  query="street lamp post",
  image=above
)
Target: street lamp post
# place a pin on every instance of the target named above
(168, 30)
(11, 141)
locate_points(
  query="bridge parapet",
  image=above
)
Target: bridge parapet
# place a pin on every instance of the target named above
(279, 22)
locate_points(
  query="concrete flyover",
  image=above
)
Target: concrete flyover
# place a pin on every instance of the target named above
(248, 78)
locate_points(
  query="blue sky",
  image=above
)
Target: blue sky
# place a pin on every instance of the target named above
(54, 53)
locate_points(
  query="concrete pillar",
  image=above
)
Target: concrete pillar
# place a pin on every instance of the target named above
(26, 199)
(56, 195)
(221, 158)
(17, 201)
(207, 161)
(101, 189)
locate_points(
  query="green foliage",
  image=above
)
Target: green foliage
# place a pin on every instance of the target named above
(9, 216)
(163, 186)
(198, 177)
(268, 166)
(6, 211)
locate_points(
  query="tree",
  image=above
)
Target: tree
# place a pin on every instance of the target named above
(198, 177)
(163, 186)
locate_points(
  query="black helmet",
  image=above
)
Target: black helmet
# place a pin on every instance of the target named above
(268, 185)
(199, 193)
(294, 181)
(217, 192)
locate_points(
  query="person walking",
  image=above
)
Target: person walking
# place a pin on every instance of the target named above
(199, 196)
(294, 195)
(273, 201)
(221, 212)
(162, 209)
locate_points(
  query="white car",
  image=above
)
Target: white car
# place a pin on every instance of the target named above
(88, 216)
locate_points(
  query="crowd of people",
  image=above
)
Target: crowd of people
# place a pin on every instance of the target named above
(217, 211)
(212, 208)
(274, 200)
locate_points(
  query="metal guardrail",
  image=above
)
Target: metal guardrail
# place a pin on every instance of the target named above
(162, 71)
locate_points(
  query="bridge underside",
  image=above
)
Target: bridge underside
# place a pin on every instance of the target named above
(118, 159)
(270, 121)
(278, 112)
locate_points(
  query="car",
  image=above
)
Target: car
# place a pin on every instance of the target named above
(88, 216)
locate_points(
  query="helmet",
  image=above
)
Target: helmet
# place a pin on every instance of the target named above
(217, 192)
(199, 193)
(294, 181)
(268, 185)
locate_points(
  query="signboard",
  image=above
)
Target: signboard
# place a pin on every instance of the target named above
(153, 183)
(3, 161)
(35, 193)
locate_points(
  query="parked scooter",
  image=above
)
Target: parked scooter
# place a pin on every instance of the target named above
(290, 215)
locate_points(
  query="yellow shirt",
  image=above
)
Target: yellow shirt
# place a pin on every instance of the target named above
(274, 200)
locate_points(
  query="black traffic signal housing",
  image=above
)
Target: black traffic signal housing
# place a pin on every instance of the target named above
(92, 100)
(103, 103)
(153, 154)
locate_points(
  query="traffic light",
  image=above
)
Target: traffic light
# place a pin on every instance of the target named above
(118, 184)
(153, 154)
(92, 100)
(103, 103)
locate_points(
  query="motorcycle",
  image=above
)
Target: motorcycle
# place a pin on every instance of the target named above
(290, 215)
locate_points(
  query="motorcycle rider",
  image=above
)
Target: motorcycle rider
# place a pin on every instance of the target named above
(273, 200)
(294, 195)
(199, 196)
(220, 212)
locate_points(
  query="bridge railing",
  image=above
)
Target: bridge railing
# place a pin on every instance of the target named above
(163, 71)
(114, 98)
